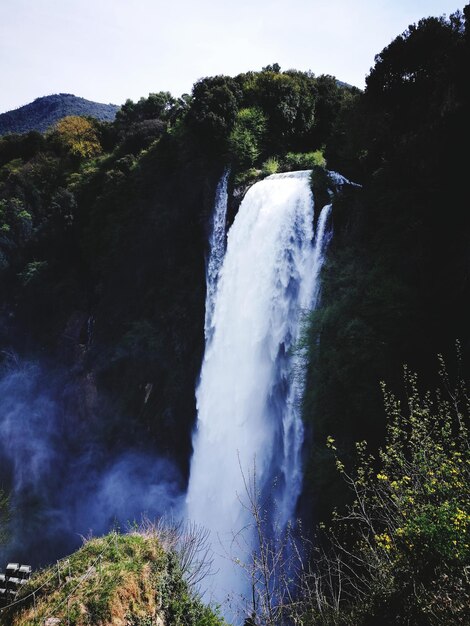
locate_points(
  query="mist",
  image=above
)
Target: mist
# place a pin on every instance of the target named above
(64, 481)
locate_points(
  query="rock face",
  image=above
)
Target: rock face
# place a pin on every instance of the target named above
(46, 111)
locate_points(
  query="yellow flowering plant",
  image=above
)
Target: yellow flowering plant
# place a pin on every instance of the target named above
(406, 535)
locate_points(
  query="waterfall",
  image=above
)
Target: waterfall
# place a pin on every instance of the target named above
(248, 397)
(216, 251)
(290, 464)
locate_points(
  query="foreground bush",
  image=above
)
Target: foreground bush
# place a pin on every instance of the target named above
(401, 551)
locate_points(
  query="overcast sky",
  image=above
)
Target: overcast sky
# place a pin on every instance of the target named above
(111, 50)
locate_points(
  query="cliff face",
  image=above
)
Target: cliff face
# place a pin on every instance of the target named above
(46, 111)
(121, 580)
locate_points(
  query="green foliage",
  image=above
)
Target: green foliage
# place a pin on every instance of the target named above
(303, 160)
(288, 101)
(331, 99)
(280, 97)
(135, 579)
(275, 67)
(179, 603)
(403, 543)
(16, 221)
(22, 147)
(387, 296)
(247, 136)
(398, 553)
(63, 206)
(32, 272)
(270, 166)
(213, 111)
(139, 124)
(147, 620)
(247, 177)
(344, 149)
(158, 106)
(413, 101)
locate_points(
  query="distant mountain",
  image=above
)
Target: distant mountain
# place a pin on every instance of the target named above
(341, 83)
(44, 112)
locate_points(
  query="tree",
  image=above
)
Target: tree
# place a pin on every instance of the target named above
(287, 99)
(415, 89)
(247, 136)
(275, 67)
(158, 106)
(330, 97)
(213, 110)
(79, 137)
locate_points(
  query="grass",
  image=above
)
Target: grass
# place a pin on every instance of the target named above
(132, 579)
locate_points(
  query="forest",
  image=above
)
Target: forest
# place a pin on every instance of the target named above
(103, 239)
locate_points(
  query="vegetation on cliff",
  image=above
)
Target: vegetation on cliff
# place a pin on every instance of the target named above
(396, 283)
(402, 547)
(134, 579)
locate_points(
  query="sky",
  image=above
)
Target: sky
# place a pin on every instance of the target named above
(111, 50)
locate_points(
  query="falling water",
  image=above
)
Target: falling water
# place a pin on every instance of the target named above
(248, 398)
(216, 251)
(292, 427)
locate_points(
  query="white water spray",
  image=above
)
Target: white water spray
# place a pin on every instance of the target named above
(248, 399)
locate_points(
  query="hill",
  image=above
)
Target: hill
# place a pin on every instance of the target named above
(44, 112)
(120, 579)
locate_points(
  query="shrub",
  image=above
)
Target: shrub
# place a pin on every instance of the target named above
(271, 166)
(401, 549)
(247, 177)
(303, 160)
